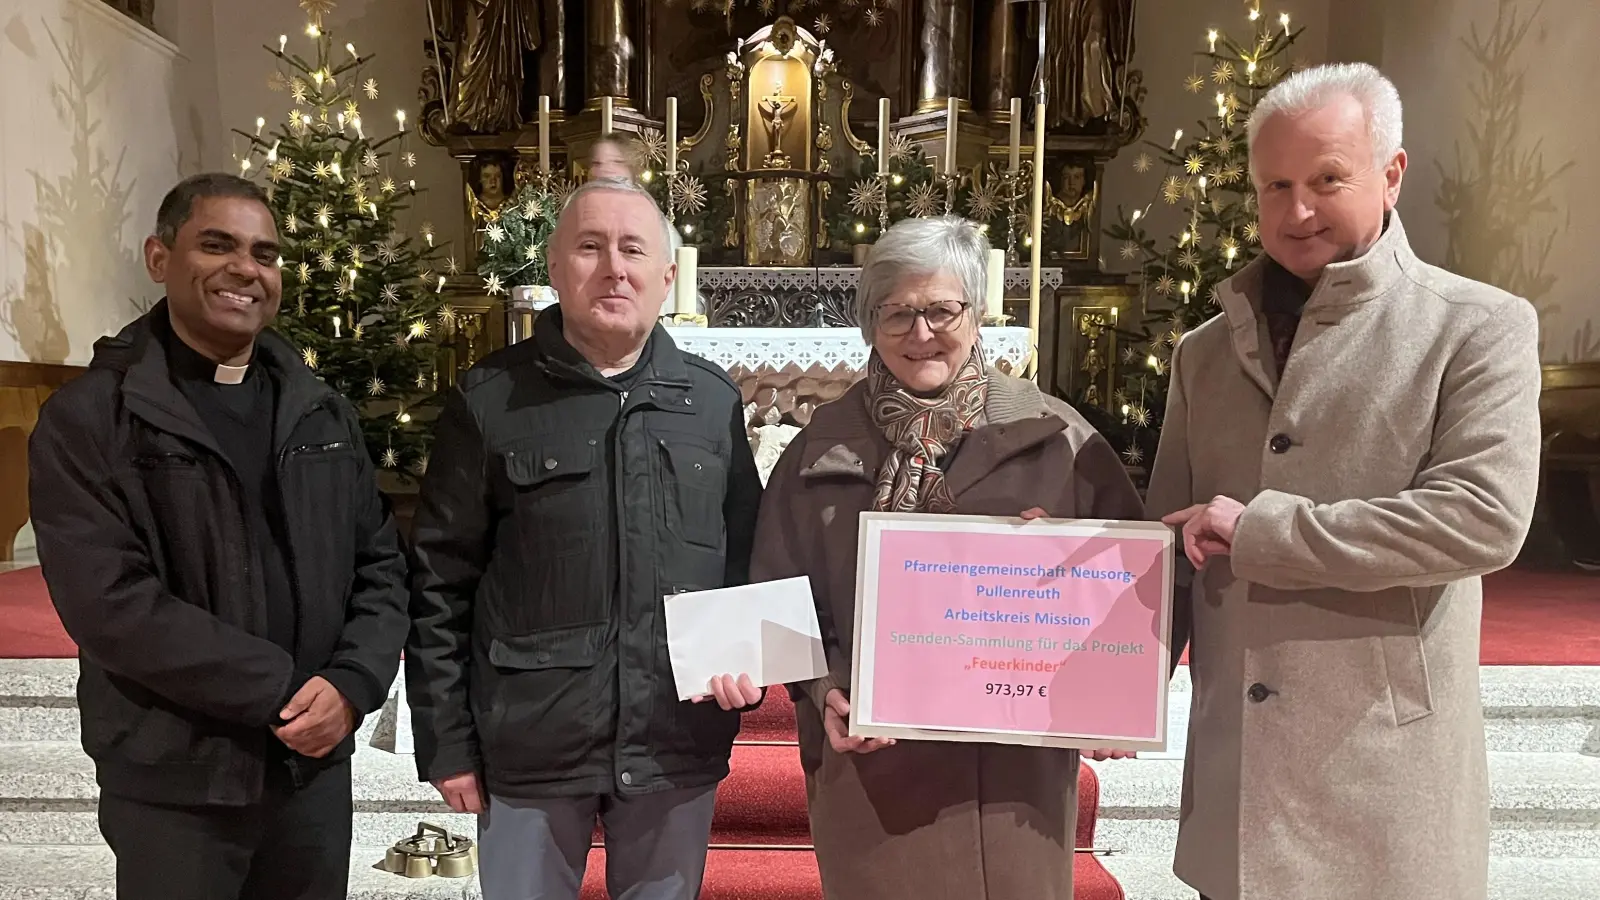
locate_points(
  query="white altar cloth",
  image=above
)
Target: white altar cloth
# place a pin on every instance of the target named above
(752, 349)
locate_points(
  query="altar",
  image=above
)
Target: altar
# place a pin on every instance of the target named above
(780, 150)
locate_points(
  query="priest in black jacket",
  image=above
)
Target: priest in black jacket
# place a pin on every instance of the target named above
(211, 531)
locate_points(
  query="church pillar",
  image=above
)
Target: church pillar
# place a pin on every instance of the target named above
(610, 51)
(946, 69)
(553, 56)
(999, 75)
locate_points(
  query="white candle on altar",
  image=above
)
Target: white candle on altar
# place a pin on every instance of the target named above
(544, 134)
(685, 288)
(995, 296)
(1035, 239)
(952, 108)
(605, 115)
(1016, 134)
(672, 134)
(883, 134)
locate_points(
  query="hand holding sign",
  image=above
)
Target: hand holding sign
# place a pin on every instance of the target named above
(835, 719)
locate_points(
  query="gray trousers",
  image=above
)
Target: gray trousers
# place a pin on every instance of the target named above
(538, 849)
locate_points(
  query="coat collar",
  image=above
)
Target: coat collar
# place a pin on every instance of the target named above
(1342, 287)
(842, 441)
(139, 352)
(664, 361)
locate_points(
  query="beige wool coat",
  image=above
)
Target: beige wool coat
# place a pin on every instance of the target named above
(926, 820)
(1336, 744)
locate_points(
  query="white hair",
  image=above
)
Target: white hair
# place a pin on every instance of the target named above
(669, 236)
(946, 244)
(1315, 88)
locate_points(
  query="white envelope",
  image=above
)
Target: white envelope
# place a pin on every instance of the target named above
(768, 631)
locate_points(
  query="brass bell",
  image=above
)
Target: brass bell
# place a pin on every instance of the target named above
(394, 861)
(418, 867)
(459, 864)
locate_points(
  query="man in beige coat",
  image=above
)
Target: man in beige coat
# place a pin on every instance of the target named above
(1349, 446)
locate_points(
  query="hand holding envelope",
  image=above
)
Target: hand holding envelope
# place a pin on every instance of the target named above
(768, 631)
(731, 692)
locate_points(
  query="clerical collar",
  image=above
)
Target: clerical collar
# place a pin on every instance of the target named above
(189, 364)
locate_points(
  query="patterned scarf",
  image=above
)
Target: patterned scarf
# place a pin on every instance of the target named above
(921, 431)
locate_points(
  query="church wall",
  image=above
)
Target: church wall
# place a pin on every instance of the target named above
(98, 119)
(394, 34)
(1475, 206)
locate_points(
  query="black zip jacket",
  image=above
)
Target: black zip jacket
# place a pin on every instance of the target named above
(144, 542)
(557, 513)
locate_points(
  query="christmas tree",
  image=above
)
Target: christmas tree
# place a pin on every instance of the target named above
(1208, 178)
(361, 301)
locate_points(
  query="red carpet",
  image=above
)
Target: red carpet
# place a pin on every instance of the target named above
(1540, 619)
(31, 629)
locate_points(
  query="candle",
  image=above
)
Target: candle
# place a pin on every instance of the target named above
(1016, 134)
(605, 115)
(994, 297)
(883, 135)
(672, 134)
(1036, 239)
(544, 134)
(684, 300)
(400, 117)
(952, 108)
(283, 41)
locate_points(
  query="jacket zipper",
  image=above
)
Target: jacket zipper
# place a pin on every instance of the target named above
(288, 535)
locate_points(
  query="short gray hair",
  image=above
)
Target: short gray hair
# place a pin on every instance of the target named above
(947, 244)
(1314, 88)
(623, 186)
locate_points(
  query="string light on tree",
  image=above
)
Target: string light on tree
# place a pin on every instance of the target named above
(1206, 183)
(353, 280)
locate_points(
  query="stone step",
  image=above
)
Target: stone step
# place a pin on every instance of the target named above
(1526, 839)
(79, 872)
(1541, 804)
(88, 873)
(1534, 709)
(1510, 878)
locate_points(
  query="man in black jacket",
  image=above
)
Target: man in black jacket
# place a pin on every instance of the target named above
(577, 479)
(211, 532)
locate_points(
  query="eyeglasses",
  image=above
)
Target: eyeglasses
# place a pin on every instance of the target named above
(895, 319)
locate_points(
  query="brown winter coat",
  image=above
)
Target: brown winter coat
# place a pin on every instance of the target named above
(1336, 744)
(926, 820)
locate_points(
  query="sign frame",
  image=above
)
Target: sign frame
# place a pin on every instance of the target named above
(864, 664)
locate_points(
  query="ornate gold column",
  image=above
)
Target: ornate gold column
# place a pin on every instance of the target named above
(610, 51)
(999, 73)
(946, 69)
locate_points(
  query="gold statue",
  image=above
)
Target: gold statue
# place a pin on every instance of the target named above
(1090, 47)
(776, 109)
(490, 38)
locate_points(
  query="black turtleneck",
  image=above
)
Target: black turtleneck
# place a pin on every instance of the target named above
(1283, 298)
(240, 416)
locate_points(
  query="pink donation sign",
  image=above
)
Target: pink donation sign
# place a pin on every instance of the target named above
(1022, 630)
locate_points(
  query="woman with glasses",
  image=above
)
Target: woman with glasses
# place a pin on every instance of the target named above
(931, 429)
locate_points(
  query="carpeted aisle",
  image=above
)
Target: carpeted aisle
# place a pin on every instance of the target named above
(29, 628)
(761, 839)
